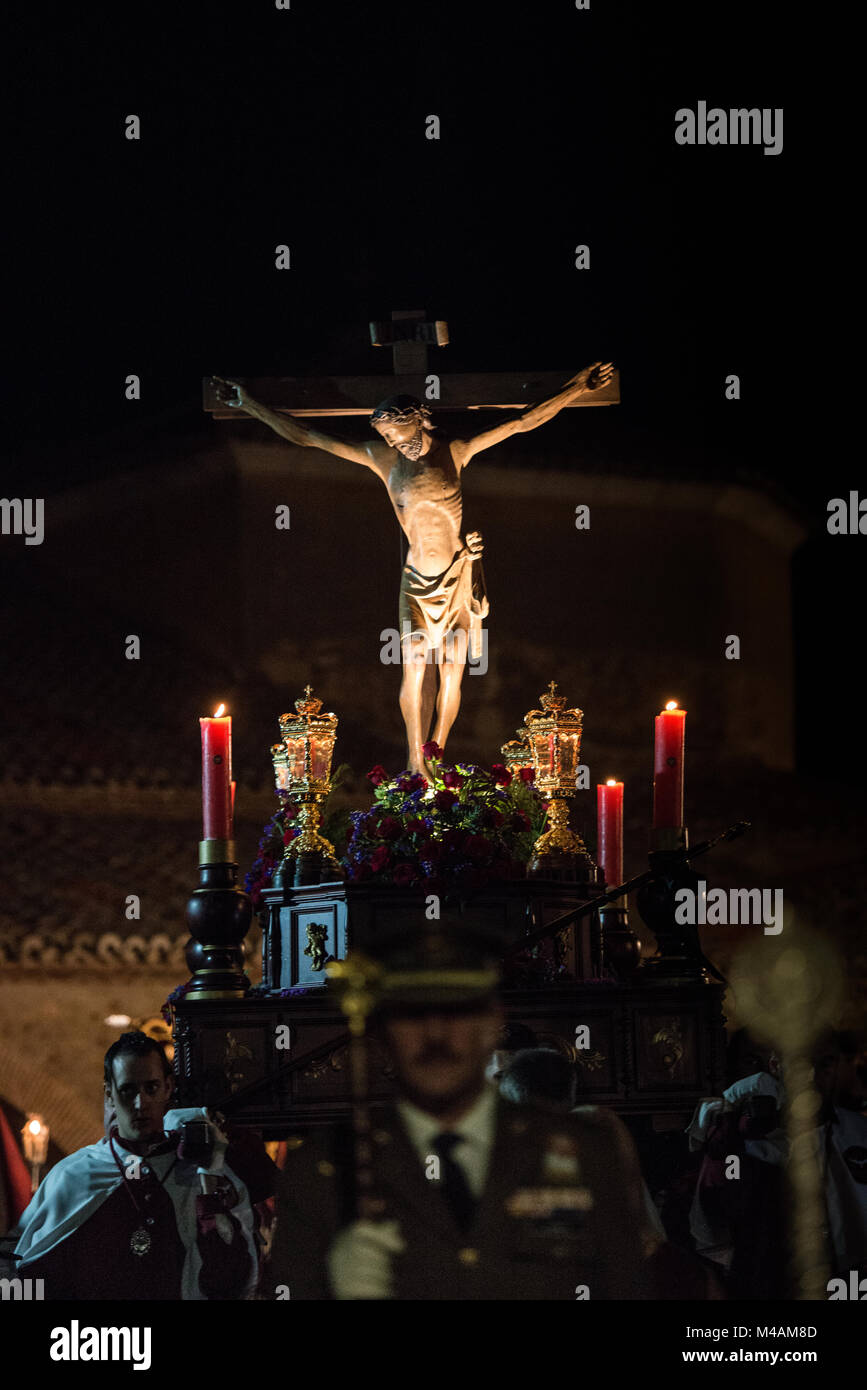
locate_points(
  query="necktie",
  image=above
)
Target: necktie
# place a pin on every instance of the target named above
(453, 1182)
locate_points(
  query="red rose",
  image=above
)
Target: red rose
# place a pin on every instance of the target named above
(431, 850)
(411, 782)
(495, 819)
(376, 775)
(477, 847)
(520, 821)
(444, 801)
(527, 774)
(452, 778)
(361, 872)
(416, 826)
(431, 749)
(389, 828)
(404, 874)
(380, 859)
(289, 835)
(501, 774)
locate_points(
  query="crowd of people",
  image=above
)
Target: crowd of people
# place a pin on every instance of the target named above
(486, 1179)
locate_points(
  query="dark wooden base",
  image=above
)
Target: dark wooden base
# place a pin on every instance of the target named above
(654, 1048)
(346, 916)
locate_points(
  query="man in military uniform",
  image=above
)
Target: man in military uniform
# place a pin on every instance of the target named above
(477, 1198)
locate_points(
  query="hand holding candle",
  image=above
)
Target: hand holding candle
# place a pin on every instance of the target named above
(217, 798)
(609, 821)
(668, 761)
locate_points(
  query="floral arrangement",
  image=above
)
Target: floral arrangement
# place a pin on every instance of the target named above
(279, 831)
(453, 831)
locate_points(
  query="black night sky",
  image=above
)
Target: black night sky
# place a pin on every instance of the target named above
(306, 127)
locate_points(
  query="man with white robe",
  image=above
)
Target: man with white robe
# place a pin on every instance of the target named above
(133, 1216)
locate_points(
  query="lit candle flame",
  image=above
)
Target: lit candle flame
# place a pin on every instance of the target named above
(35, 1127)
(220, 710)
(612, 782)
(672, 704)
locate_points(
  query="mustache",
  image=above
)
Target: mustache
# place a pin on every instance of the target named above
(435, 1052)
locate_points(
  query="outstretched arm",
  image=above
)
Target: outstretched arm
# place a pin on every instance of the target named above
(233, 394)
(590, 379)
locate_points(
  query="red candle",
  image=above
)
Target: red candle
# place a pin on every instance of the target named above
(668, 767)
(217, 776)
(609, 823)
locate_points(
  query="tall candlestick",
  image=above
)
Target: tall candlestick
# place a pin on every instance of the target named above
(609, 821)
(217, 776)
(668, 767)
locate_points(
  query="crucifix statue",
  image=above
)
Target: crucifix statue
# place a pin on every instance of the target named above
(442, 593)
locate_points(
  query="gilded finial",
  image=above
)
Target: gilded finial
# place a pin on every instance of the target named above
(551, 701)
(308, 703)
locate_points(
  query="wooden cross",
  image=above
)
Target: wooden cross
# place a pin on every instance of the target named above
(409, 335)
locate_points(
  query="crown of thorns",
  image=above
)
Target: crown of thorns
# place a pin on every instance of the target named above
(401, 410)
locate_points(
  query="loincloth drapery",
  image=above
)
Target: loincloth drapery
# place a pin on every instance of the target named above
(438, 604)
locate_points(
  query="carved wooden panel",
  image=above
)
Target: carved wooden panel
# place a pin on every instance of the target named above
(667, 1049)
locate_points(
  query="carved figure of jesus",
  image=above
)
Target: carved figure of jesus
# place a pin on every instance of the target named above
(442, 594)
